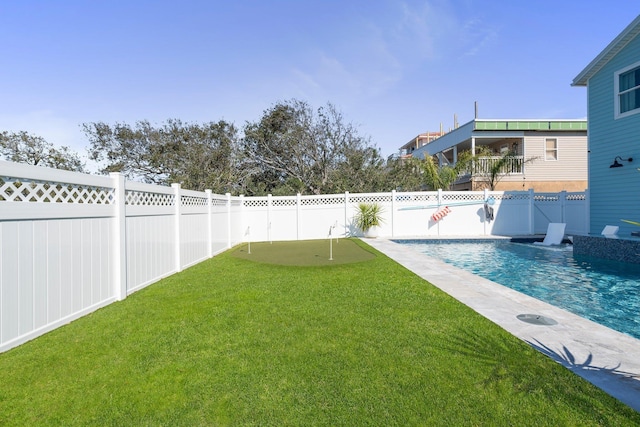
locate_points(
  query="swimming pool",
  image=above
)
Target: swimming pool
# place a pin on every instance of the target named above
(607, 292)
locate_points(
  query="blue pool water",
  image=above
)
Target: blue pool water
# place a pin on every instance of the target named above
(604, 291)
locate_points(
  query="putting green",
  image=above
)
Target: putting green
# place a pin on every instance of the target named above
(305, 252)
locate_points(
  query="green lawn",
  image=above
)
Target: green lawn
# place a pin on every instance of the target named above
(231, 341)
(305, 253)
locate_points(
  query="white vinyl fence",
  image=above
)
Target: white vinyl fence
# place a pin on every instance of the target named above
(71, 243)
(409, 214)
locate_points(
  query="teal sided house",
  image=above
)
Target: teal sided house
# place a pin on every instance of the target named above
(613, 93)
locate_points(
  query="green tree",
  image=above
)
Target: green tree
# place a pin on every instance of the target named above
(296, 149)
(405, 174)
(443, 177)
(199, 156)
(23, 147)
(361, 171)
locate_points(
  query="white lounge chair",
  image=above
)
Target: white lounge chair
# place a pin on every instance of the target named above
(555, 234)
(610, 231)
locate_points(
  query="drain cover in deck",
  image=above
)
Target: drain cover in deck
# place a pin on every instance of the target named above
(536, 319)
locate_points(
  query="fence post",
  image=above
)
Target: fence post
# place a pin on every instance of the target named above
(393, 210)
(228, 220)
(346, 213)
(269, 204)
(246, 231)
(119, 237)
(587, 210)
(209, 223)
(177, 212)
(438, 208)
(298, 216)
(484, 221)
(563, 205)
(532, 216)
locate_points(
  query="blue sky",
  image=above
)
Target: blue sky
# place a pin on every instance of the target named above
(393, 68)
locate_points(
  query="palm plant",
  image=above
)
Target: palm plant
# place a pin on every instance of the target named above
(443, 177)
(369, 215)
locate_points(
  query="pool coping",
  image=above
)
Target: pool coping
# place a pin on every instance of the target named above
(606, 358)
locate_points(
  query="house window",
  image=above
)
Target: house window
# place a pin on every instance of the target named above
(551, 149)
(627, 84)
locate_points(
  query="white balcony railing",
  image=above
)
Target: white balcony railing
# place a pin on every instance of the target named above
(512, 164)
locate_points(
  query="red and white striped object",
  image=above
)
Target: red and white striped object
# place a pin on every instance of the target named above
(441, 214)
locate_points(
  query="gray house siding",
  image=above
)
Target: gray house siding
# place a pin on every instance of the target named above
(570, 164)
(614, 192)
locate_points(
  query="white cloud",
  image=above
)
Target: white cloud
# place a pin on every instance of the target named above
(435, 30)
(476, 35)
(367, 63)
(420, 30)
(366, 72)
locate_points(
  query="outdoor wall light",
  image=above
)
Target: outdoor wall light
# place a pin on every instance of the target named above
(619, 165)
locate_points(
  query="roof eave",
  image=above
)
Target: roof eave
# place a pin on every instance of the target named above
(609, 52)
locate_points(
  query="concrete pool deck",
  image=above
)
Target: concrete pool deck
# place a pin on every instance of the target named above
(608, 359)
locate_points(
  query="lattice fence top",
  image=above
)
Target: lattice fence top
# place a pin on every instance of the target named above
(546, 197)
(284, 202)
(576, 197)
(194, 201)
(370, 198)
(218, 202)
(256, 202)
(412, 198)
(30, 190)
(462, 197)
(14, 190)
(144, 198)
(510, 196)
(323, 201)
